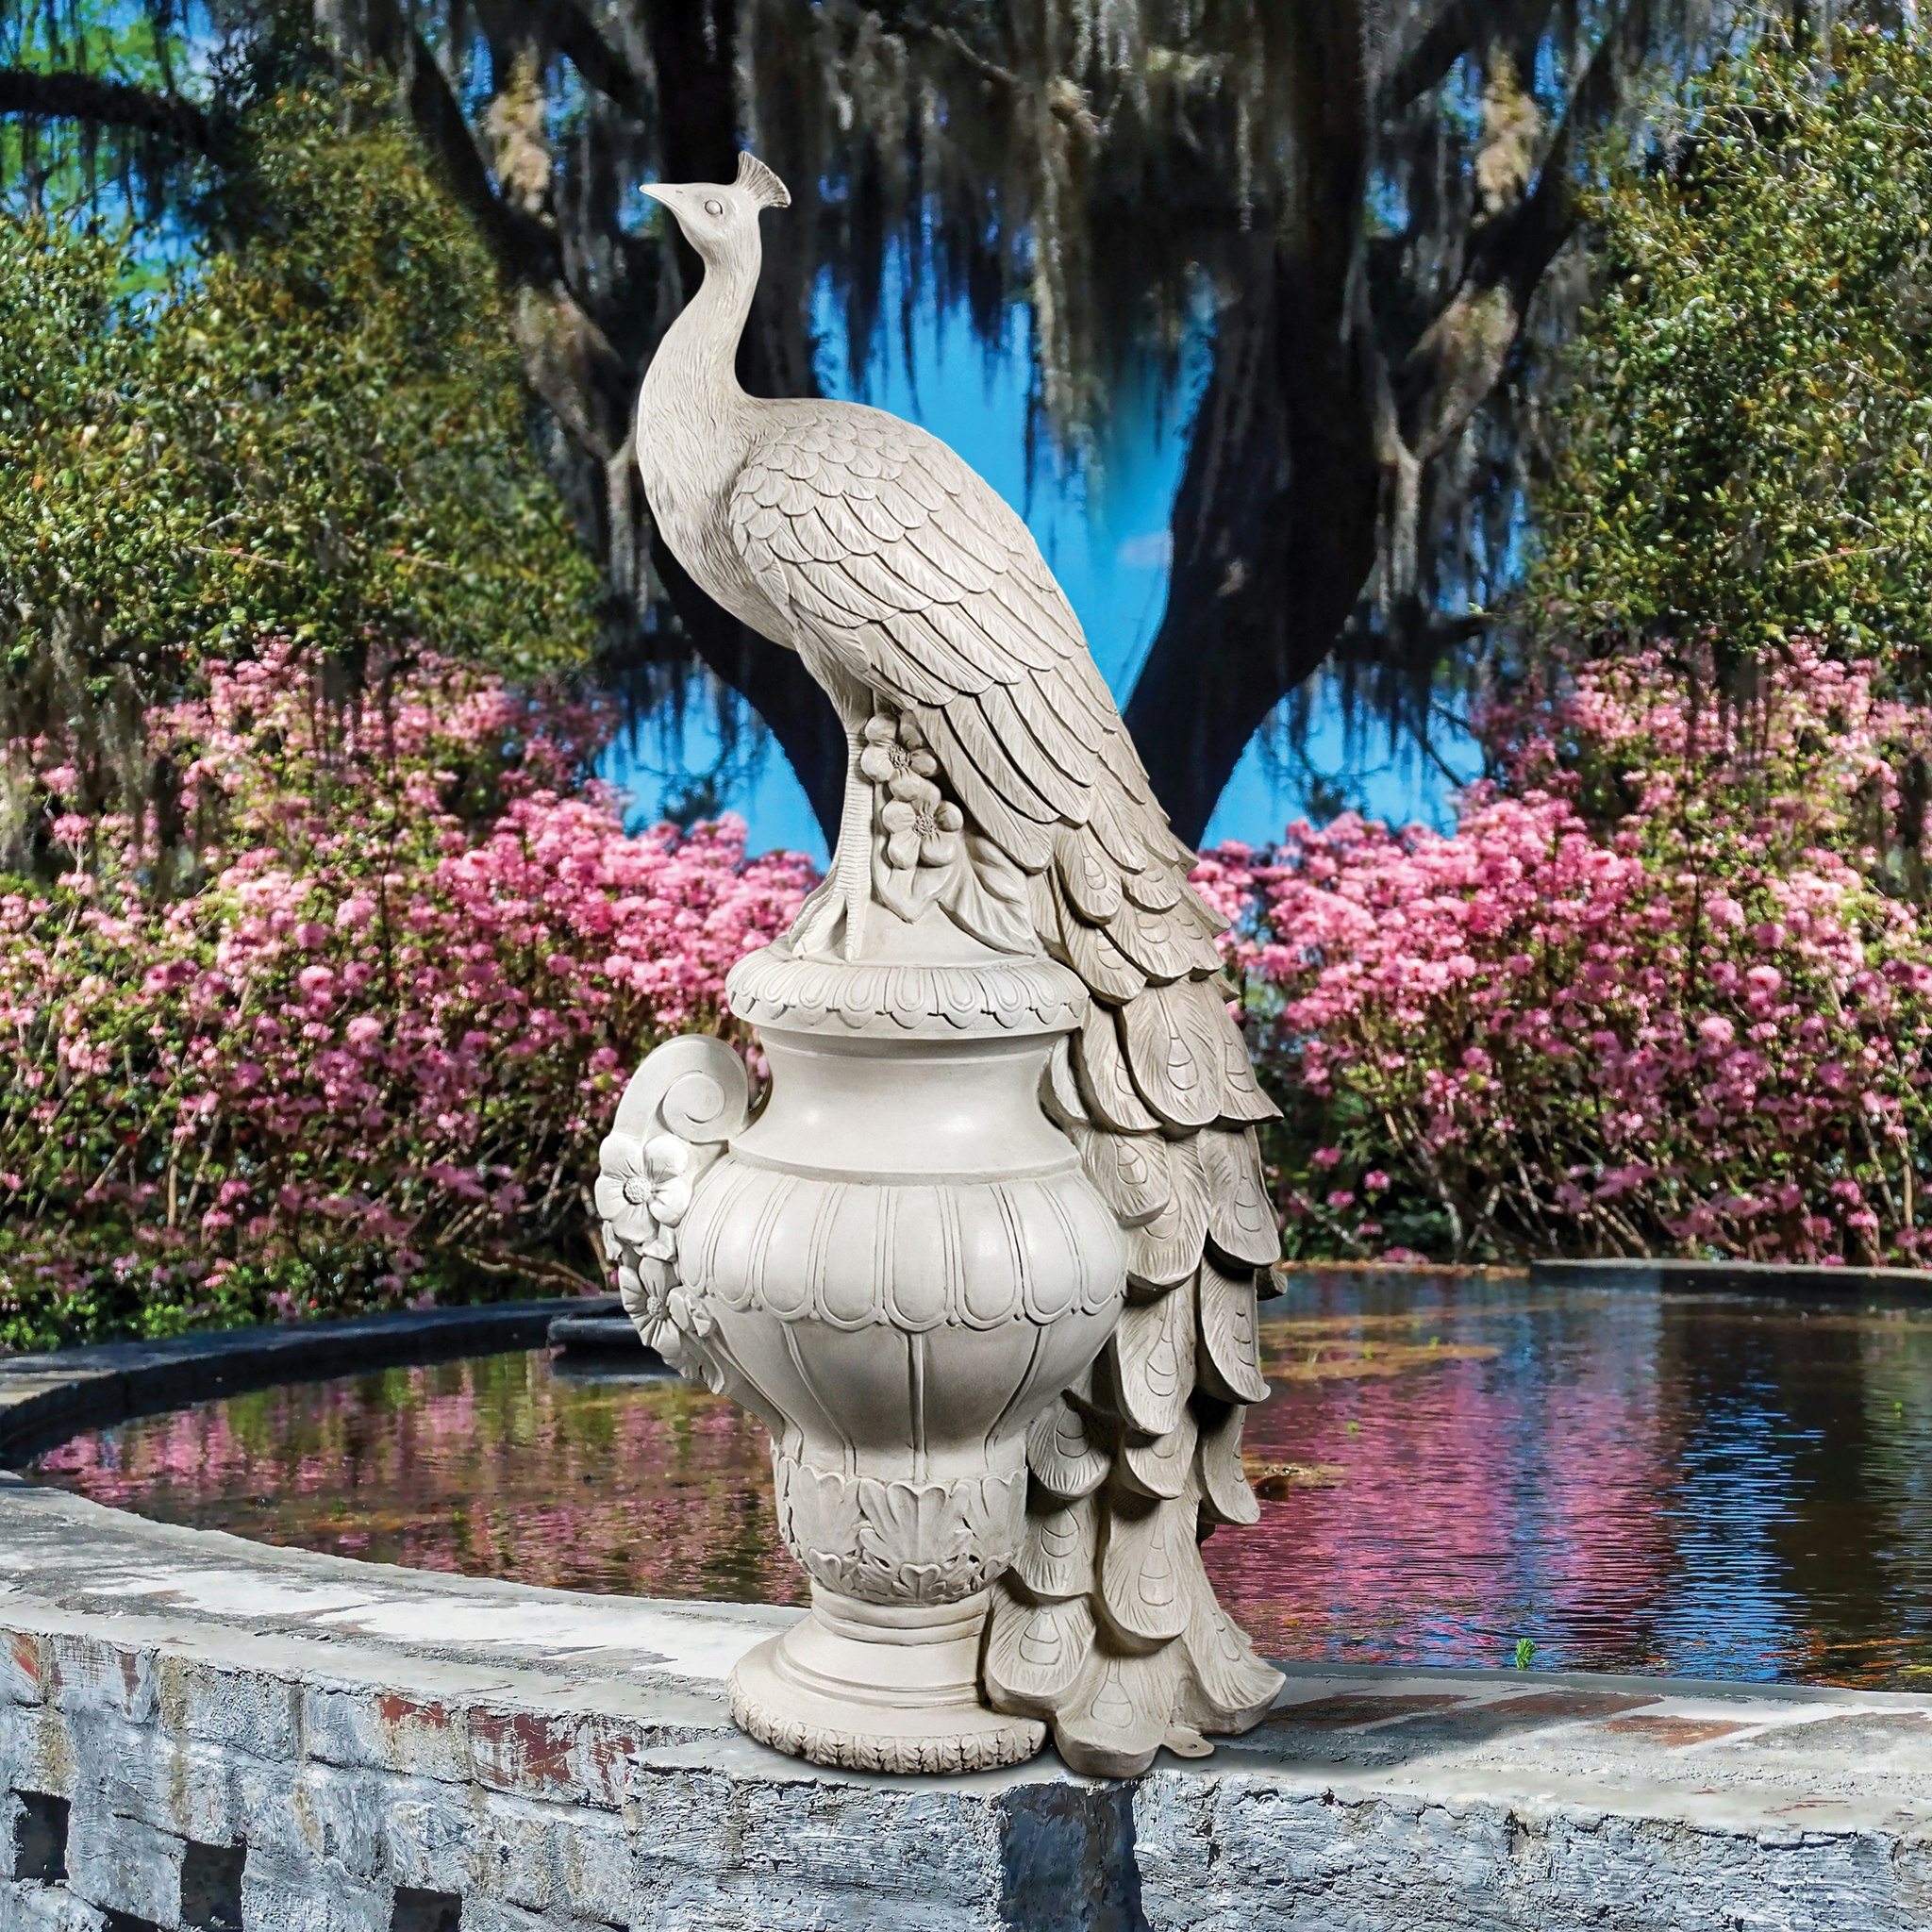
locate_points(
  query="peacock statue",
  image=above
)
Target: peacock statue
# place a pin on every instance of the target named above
(989, 775)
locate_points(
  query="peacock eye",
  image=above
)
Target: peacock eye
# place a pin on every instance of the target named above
(714, 207)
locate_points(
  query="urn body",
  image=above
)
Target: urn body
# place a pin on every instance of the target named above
(899, 1264)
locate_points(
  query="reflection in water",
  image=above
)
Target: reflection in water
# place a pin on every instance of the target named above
(1703, 1485)
(492, 1467)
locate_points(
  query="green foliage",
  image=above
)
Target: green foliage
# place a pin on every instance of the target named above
(317, 430)
(1746, 447)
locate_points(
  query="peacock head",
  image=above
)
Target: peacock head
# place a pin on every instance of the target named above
(721, 221)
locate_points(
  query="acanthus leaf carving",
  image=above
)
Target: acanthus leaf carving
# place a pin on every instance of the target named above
(897, 1540)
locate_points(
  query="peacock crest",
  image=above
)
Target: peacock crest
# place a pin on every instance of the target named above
(760, 183)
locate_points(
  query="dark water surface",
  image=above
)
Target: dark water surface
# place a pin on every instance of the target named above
(1703, 1484)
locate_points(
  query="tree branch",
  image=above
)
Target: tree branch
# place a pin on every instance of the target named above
(1457, 359)
(570, 362)
(106, 104)
(1441, 43)
(525, 250)
(602, 66)
(1274, 522)
(1458, 28)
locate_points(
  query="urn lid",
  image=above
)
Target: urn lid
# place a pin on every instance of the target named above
(980, 993)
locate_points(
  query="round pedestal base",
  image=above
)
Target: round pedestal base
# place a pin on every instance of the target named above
(870, 1687)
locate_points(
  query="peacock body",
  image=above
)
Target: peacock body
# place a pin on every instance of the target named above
(1014, 800)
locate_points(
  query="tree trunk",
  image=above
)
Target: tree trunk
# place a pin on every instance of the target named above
(1274, 524)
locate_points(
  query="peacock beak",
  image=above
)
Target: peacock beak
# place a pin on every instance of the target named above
(679, 198)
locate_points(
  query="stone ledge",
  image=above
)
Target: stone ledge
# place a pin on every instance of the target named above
(559, 1760)
(595, 1332)
(45, 1397)
(1732, 1277)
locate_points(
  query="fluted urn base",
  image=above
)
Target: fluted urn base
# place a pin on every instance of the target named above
(873, 1687)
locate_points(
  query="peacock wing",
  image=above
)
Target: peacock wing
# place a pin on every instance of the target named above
(892, 558)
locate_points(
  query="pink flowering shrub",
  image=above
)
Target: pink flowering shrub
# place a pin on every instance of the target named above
(367, 1054)
(1651, 995)
(341, 1025)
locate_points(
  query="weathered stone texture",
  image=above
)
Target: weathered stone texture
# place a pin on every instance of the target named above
(125, 1864)
(1246, 1853)
(22, 1669)
(26, 1907)
(287, 1894)
(339, 1794)
(369, 1728)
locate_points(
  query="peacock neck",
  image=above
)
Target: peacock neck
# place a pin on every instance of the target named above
(692, 380)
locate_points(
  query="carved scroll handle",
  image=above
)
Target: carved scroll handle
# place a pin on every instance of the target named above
(681, 1107)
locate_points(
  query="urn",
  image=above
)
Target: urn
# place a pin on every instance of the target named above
(899, 1265)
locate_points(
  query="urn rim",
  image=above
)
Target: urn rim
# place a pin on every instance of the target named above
(992, 997)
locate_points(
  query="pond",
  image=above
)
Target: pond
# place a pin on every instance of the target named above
(1707, 1485)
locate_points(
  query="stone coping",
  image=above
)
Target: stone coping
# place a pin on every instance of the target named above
(596, 1331)
(345, 1741)
(44, 1398)
(1733, 1277)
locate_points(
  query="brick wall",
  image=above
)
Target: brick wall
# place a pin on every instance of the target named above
(148, 1788)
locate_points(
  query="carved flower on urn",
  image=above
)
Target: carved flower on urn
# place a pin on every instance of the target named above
(643, 1192)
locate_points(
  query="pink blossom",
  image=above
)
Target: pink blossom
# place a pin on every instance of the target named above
(369, 1004)
(1585, 1034)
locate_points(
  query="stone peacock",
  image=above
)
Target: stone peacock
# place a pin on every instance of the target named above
(989, 775)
